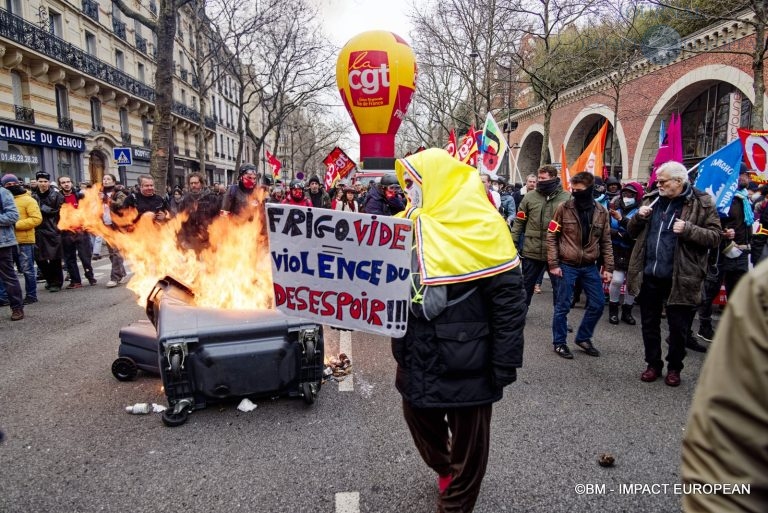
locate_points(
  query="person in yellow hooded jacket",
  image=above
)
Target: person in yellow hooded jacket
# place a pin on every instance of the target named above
(29, 218)
(464, 339)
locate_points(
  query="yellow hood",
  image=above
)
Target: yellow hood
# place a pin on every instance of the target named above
(459, 235)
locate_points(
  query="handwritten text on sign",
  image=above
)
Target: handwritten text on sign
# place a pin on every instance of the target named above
(345, 269)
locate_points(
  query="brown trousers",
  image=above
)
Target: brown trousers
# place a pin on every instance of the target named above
(462, 452)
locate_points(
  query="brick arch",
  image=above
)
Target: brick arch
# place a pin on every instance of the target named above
(528, 154)
(676, 97)
(581, 125)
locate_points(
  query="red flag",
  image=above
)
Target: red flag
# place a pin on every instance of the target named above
(755, 145)
(467, 151)
(274, 163)
(451, 146)
(338, 165)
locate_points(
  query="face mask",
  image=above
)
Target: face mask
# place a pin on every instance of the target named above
(297, 194)
(628, 202)
(389, 194)
(583, 199)
(413, 190)
(495, 187)
(248, 182)
(547, 187)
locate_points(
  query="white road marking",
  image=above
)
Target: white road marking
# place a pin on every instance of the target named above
(345, 346)
(348, 502)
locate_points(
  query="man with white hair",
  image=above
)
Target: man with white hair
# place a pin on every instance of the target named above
(674, 229)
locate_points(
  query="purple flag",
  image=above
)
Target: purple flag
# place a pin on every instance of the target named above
(671, 148)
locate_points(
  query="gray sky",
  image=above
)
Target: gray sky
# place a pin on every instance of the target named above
(345, 19)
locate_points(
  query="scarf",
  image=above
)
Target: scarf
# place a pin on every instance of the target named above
(749, 215)
(458, 235)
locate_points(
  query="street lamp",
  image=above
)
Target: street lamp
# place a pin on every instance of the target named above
(474, 55)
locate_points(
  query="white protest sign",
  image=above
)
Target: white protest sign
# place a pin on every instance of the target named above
(344, 269)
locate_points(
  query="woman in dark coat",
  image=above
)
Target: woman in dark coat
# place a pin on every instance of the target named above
(456, 358)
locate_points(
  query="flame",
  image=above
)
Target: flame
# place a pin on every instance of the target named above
(233, 272)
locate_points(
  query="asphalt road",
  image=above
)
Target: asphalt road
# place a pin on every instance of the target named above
(71, 447)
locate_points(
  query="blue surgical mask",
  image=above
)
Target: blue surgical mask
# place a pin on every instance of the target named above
(628, 202)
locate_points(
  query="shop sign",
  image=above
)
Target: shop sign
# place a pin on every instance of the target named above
(142, 154)
(34, 136)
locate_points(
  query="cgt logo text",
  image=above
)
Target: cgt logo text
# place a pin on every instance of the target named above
(368, 71)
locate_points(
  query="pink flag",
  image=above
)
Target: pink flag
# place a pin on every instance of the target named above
(671, 148)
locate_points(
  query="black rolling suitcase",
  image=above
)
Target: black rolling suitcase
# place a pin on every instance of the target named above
(138, 350)
(209, 354)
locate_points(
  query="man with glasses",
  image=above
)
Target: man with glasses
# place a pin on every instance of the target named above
(674, 229)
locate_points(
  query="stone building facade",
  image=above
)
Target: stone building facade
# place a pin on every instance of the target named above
(76, 83)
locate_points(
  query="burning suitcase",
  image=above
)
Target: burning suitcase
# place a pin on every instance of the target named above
(138, 350)
(209, 354)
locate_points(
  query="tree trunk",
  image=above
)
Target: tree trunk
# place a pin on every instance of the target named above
(161, 133)
(615, 137)
(758, 79)
(544, 157)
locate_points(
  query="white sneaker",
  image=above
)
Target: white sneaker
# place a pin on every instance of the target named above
(124, 279)
(111, 284)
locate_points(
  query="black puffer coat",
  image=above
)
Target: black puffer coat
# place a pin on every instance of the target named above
(466, 355)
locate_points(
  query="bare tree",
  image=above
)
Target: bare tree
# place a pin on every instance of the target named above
(165, 29)
(548, 50)
(282, 67)
(458, 46)
(752, 13)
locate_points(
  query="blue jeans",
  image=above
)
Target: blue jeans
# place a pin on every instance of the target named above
(27, 260)
(592, 285)
(10, 290)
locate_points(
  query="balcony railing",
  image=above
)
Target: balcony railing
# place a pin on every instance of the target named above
(186, 153)
(25, 114)
(210, 123)
(66, 124)
(141, 44)
(119, 28)
(126, 137)
(91, 9)
(31, 36)
(153, 8)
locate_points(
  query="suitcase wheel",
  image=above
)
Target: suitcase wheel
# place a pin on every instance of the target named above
(309, 392)
(124, 369)
(174, 419)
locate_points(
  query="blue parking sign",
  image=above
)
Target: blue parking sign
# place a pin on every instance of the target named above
(122, 156)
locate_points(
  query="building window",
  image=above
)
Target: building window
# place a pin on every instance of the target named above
(705, 120)
(119, 60)
(221, 144)
(96, 115)
(62, 102)
(183, 97)
(54, 23)
(13, 6)
(145, 131)
(90, 43)
(124, 126)
(141, 72)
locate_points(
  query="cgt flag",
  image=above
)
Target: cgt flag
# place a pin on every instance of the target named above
(338, 165)
(467, 150)
(719, 175)
(275, 164)
(451, 146)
